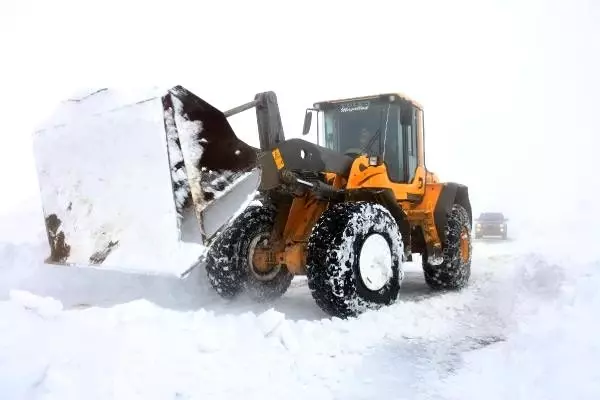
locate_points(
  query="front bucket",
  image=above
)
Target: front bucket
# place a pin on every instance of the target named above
(139, 184)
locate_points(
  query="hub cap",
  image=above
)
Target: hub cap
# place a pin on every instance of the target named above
(464, 245)
(261, 240)
(375, 262)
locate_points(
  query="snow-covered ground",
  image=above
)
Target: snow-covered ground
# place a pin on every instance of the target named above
(526, 328)
(510, 96)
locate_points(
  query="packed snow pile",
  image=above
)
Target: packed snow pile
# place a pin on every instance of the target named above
(106, 187)
(125, 183)
(526, 327)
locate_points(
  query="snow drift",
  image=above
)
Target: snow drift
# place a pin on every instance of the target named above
(525, 328)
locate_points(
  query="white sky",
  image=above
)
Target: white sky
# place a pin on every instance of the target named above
(509, 87)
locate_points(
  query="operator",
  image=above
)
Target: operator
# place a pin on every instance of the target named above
(363, 138)
(365, 135)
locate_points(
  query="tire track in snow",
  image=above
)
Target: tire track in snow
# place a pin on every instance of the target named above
(505, 290)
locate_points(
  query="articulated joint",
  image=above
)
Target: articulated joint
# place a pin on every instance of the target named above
(293, 257)
(435, 255)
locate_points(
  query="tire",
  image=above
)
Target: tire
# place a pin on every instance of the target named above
(227, 263)
(455, 271)
(334, 259)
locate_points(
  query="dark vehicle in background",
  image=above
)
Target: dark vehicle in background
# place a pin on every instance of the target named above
(491, 224)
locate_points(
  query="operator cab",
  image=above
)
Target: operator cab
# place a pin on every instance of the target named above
(384, 126)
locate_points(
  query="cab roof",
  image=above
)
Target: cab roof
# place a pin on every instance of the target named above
(399, 97)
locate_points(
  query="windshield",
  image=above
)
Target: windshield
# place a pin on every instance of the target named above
(491, 217)
(348, 127)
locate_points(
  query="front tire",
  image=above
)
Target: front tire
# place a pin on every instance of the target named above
(354, 259)
(455, 270)
(228, 263)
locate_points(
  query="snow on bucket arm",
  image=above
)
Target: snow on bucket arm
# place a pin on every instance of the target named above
(141, 184)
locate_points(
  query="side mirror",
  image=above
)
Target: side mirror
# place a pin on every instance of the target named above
(307, 123)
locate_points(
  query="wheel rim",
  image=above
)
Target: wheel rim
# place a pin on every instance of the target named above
(375, 262)
(259, 241)
(464, 245)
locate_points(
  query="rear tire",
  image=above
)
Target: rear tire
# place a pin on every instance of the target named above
(344, 281)
(227, 264)
(455, 270)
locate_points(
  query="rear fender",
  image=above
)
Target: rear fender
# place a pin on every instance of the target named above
(451, 193)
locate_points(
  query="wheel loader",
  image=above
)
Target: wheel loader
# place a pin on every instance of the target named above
(163, 184)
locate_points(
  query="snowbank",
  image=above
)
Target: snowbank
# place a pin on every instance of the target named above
(525, 328)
